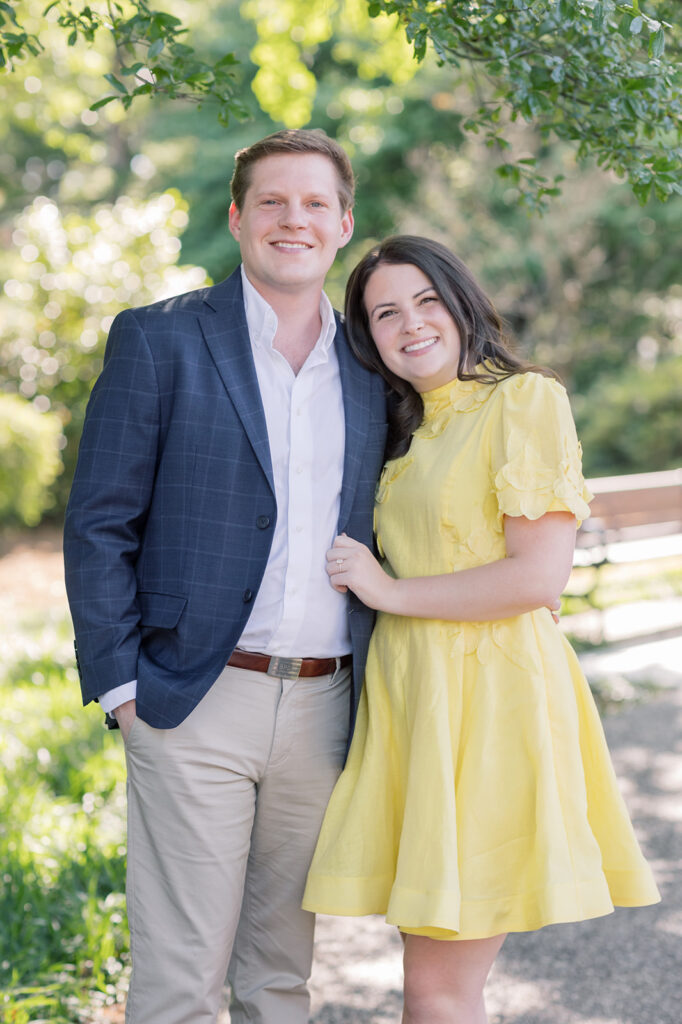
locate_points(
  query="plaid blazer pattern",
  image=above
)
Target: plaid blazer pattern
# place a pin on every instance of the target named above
(171, 515)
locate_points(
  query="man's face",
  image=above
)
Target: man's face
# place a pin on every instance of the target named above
(291, 224)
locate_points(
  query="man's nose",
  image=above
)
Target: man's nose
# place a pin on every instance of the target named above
(293, 215)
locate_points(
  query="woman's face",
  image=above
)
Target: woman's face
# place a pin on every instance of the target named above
(413, 331)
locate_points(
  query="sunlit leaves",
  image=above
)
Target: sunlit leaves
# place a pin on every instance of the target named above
(287, 33)
(564, 66)
(65, 278)
(152, 55)
(15, 41)
(29, 459)
(289, 36)
(570, 69)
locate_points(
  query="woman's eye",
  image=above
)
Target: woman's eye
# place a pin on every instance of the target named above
(429, 298)
(384, 313)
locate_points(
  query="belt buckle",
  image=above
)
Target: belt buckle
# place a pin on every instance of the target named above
(285, 668)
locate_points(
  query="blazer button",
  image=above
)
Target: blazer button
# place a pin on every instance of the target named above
(247, 596)
(263, 522)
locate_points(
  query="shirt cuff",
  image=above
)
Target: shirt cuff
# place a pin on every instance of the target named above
(119, 695)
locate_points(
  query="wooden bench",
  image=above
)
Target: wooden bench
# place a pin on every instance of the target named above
(633, 518)
(641, 506)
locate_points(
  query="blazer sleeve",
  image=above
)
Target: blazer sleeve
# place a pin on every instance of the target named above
(107, 509)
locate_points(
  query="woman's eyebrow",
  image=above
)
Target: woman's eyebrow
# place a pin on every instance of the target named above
(380, 305)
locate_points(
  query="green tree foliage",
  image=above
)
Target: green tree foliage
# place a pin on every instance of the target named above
(289, 35)
(587, 288)
(593, 72)
(29, 460)
(632, 421)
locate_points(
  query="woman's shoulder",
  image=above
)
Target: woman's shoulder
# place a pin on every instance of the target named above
(530, 393)
(531, 383)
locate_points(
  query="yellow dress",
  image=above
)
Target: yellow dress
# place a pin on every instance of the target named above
(479, 796)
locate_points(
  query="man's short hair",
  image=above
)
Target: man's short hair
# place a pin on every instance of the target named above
(293, 140)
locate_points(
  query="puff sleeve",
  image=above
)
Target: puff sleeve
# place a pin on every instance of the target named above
(536, 456)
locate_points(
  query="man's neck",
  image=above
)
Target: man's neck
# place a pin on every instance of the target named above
(299, 322)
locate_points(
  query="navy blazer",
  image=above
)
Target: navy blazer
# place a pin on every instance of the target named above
(171, 515)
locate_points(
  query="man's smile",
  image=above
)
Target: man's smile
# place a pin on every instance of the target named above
(291, 245)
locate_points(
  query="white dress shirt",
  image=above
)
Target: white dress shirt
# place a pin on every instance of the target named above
(296, 612)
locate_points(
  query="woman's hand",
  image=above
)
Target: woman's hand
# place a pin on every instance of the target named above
(352, 566)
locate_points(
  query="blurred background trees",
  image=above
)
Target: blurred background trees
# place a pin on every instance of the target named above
(114, 206)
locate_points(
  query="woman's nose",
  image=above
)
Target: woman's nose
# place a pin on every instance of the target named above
(413, 321)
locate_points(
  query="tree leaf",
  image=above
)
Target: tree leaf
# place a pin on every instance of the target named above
(657, 43)
(155, 48)
(228, 60)
(102, 103)
(624, 26)
(9, 11)
(113, 80)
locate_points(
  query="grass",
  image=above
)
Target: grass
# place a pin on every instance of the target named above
(63, 937)
(610, 585)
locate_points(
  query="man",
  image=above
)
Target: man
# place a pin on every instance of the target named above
(230, 436)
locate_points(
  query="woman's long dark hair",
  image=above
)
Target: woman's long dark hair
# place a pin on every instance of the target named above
(481, 330)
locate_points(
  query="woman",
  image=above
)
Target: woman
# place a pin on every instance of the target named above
(478, 797)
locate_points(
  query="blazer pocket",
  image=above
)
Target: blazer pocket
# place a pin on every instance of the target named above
(161, 611)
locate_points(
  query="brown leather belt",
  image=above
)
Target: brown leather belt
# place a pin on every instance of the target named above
(287, 668)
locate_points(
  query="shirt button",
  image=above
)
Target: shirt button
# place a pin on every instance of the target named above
(263, 522)
(247, 596)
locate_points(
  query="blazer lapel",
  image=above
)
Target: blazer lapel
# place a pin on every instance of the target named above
(223, 324)
(355, 382)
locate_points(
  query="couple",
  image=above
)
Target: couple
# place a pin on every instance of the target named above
(218, 545)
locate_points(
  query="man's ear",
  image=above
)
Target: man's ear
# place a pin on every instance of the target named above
(347, 224)
(234, 220)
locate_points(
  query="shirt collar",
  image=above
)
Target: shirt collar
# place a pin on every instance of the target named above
(261, 318)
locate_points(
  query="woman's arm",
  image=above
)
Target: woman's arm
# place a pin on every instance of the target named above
(533, 575)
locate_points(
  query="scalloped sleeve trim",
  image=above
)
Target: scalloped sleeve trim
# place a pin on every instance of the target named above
(542, 470)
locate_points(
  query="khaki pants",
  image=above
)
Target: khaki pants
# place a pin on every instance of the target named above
(223, 815)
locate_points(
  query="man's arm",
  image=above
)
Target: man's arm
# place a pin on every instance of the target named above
(112, 699)
(107, 510)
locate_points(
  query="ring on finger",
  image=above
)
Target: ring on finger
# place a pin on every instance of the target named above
(339, 561)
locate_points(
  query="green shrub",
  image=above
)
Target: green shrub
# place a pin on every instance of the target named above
(63, 935)
(630, 423)
(29, 460)
(67, 276)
